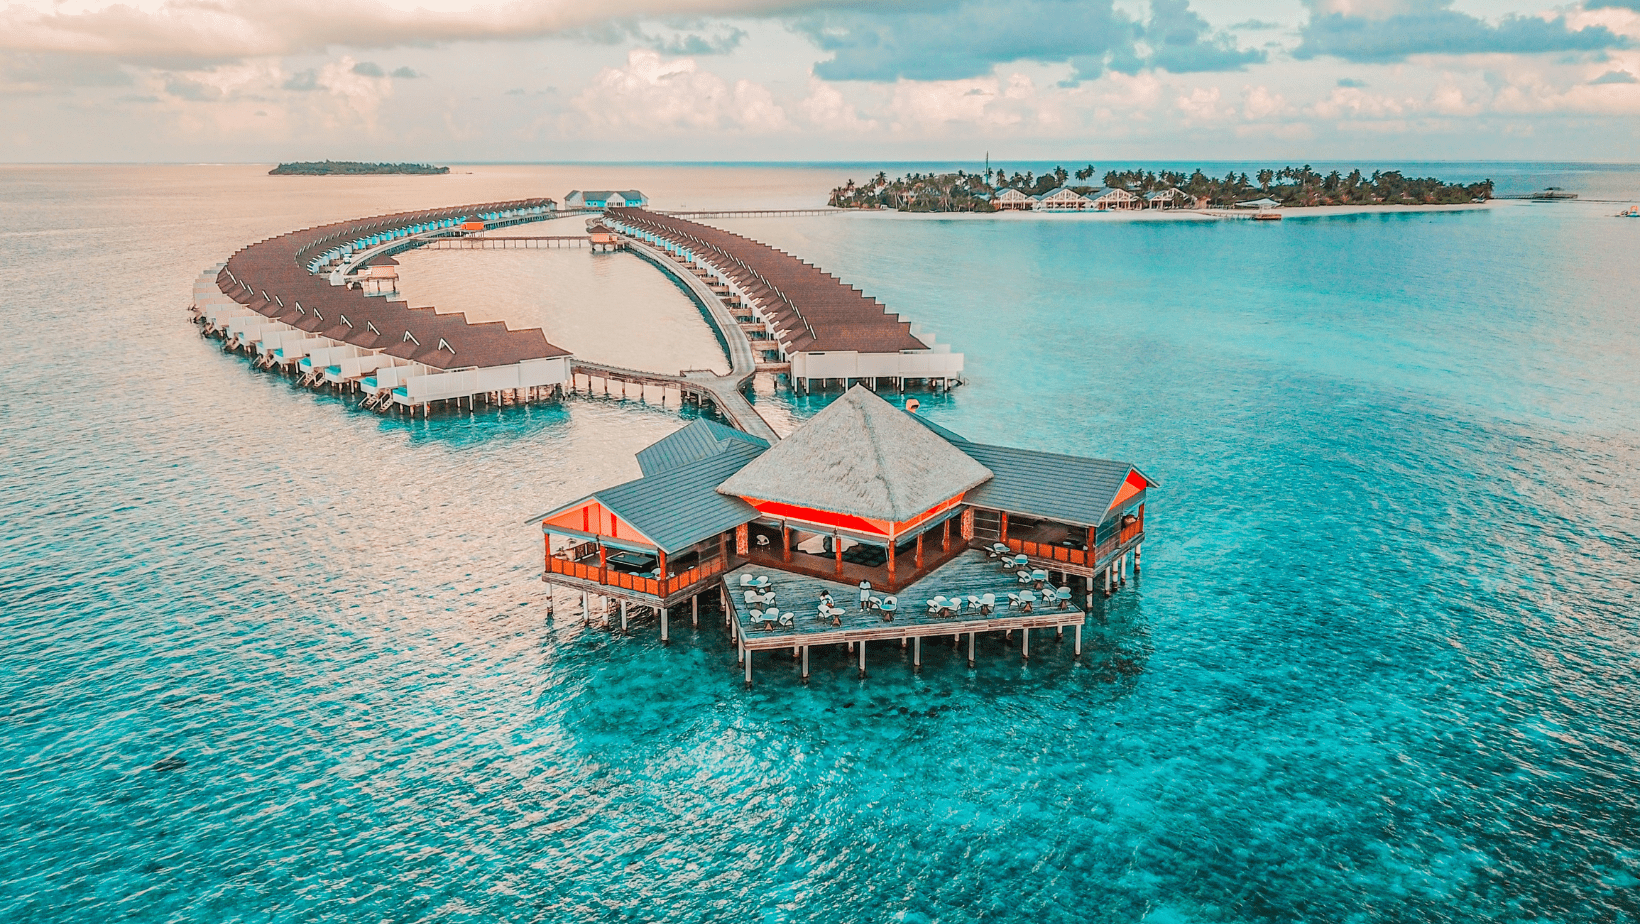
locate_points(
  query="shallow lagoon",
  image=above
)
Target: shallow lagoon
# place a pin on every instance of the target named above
(1380, 667)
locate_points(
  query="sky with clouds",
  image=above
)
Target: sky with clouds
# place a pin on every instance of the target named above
(812, 80)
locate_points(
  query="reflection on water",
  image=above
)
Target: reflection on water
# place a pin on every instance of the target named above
(609, 308)
(1379, 666)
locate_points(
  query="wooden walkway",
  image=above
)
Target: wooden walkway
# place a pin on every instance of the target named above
(724, 390)
(489, 242)
(751, 213)
(970, 574)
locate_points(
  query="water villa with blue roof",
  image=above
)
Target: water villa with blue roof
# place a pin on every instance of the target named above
(867, 524)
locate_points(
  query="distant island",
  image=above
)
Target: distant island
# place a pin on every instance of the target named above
(353, 168)
(994, 191)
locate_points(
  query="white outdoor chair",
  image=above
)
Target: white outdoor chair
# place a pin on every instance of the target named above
(786, 619)
(988, 603)
(1013, 601)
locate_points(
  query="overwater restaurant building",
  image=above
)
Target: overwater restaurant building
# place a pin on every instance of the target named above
(862, 492)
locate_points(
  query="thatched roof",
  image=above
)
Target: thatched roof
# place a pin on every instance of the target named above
(861, 456)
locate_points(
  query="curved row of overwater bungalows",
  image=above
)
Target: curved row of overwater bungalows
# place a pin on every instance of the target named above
(798, 314)
(322, 303)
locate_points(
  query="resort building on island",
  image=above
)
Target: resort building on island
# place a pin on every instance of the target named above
(868, 523)
(802, 320)
(1012, 200)
(605, 199)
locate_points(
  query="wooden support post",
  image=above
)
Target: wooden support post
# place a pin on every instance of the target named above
(916, 653)
(1136, 550)
(862, 657)
(919, 550)
(805, 664)
(785, 543)
(694, 610)
(1078, 651)
(748, 658)
(837, 546)
(603, 564)
(945, 536)
(971, 648)
(1107, 582)
(891, 544)
(1025, 643)
(663, 625)
(623, 617)
(1002, 531)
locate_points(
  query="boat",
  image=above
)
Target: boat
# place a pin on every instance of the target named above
(1632, 211)
(1551, 194)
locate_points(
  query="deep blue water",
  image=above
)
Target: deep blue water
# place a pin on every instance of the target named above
(1383, 663)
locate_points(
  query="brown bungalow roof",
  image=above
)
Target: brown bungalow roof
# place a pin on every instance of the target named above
(813, 311)
(275, 268)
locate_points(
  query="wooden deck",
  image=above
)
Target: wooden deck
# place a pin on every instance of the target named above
(970, 573)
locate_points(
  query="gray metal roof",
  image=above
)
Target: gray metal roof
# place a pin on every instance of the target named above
(1067, 489)
(699, 440)
(1049, 485)
(679, 507)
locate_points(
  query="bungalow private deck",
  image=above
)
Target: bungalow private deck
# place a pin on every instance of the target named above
(970, 574)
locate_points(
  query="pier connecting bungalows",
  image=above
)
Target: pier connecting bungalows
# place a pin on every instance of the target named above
(322, 303)
(803, 317)
(868, 523)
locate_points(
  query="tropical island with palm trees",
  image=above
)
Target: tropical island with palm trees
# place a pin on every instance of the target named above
(1059, 189)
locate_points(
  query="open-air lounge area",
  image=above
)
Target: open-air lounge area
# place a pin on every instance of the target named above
(977, 591)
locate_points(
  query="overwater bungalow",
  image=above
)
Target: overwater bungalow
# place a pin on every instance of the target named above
(867, 523)
(1063, 199)
(1108, 198)
(321, 303)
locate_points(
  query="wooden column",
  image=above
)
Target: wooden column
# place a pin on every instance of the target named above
(1002, 531)
(1079, 640)
(603, 564)
(663, 625)
(891, 545)
(837, 546)
(919, 550)
(623, 617)
(785, 543)
(971, 648)
(862, 657)
(1136, 551)
(747, 657)
(1025, 644)
(805, 664)
(916, 653)
(1093, 534)
(694, 610)
(945, 537)
(660, 571)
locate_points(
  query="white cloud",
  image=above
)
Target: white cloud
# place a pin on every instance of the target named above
(225, 29)
(827, 110)
(1356, 103)
(984, 102)
(652, 93)
(1201, 105)
(1259, 103)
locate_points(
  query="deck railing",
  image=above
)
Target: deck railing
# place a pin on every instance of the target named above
(609, 577)
(1050, 552)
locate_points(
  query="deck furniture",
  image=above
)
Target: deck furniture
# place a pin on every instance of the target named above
(1013, 601)
(988, 604)
(787, 619)
(1026, 599)
(1064, 597)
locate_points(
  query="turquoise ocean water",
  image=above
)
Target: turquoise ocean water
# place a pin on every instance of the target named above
(1383, 663)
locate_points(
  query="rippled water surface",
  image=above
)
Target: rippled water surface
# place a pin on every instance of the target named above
(1383, 663)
